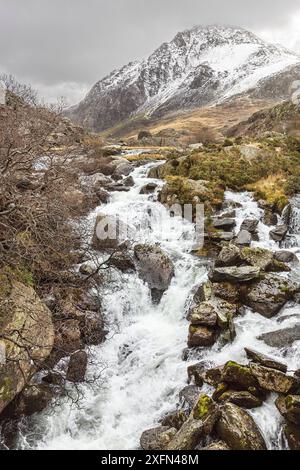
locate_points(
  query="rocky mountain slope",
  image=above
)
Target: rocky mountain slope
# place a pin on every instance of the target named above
(200, 66)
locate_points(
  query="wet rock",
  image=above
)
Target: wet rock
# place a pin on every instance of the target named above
(239, 376)
(103, 196)
(123, 262)
(281, 338)
(244, 238)
(203, 314)
(217, 446)
(292, 434)
(189, 396)
(54, 378)
(286, 214)
(238, 429)
(258, 257)
(230, 255)
(148, 188)
(225, 224)
(289, 407)
(77, 367)
(286, 257)
(270, 218)
(155, 268)
(33, 399)
(157, 438)
(213, 376)
(122, 168)
(220, 236)
(265, 360)
(200, 423)
(174, 420)
(226, 291)
(25, 323)
(195, 372)
(109, 232)
(67, 338)
(243, 399)
(234, 274)
(229, 203)
(250, 225)
(273, 380)
(279, 233)
(269, 295)
(128, 182)
(201, 336)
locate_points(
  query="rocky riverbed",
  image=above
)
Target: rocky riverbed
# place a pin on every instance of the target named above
(203, 349)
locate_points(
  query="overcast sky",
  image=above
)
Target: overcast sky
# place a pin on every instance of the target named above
(63, 47)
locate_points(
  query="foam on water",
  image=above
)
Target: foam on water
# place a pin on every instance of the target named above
(143, 363)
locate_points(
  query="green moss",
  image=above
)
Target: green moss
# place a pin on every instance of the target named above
(203, 407)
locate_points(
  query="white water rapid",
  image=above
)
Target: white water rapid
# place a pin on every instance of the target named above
(142, 357)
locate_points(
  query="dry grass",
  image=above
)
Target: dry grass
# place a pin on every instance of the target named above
(272, 190)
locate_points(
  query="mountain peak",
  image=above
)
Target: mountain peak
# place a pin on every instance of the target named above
(204, 65)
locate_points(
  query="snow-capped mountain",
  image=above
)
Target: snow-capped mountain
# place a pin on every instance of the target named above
(200, 66)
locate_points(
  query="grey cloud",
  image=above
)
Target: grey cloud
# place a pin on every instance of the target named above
(55, 42)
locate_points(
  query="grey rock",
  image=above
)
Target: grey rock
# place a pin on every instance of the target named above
(225, 224)
(273, 380)
(286, 257)
(155, 268)
(157, 438)
(234, 274)
(230, 255)
(239, 430)
(279, 233)
(250, 225)
(189, 396)
(77, 367)
(266, 361)
(244, 238)
(281, 338)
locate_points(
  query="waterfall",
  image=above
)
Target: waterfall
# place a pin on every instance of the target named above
(141, 361)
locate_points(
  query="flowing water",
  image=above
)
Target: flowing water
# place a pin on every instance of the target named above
(141, 362)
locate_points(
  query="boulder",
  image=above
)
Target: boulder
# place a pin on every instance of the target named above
(203, 314)
(258, 257)
(92, 328)
(122, 168)
(265, 361)
(250, 225)
(144, 135)
(195, 372)
(200, 423)
(225, 224)
(286, 257)
(244, 238)
(109, 232)
(67, 338)
(157, 438)
(239, 376)
(226, 291)
(289, 407)
(239, 430)
(243, 399)
(28, 332)
(123, 262)
(175, 419)
(279, 233)
(155, 268)
(270, 218)
(292, 434)
(189, 395)
(269, 295)
(281, 338)
(230, 255)
(103, 196)
(148, 188)
(33, 399)
(220, 236)
(217, 446)
(273, 380)
(213, 376)
(201, 336)
(77, 367)
(128, 182)
(234, 274)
